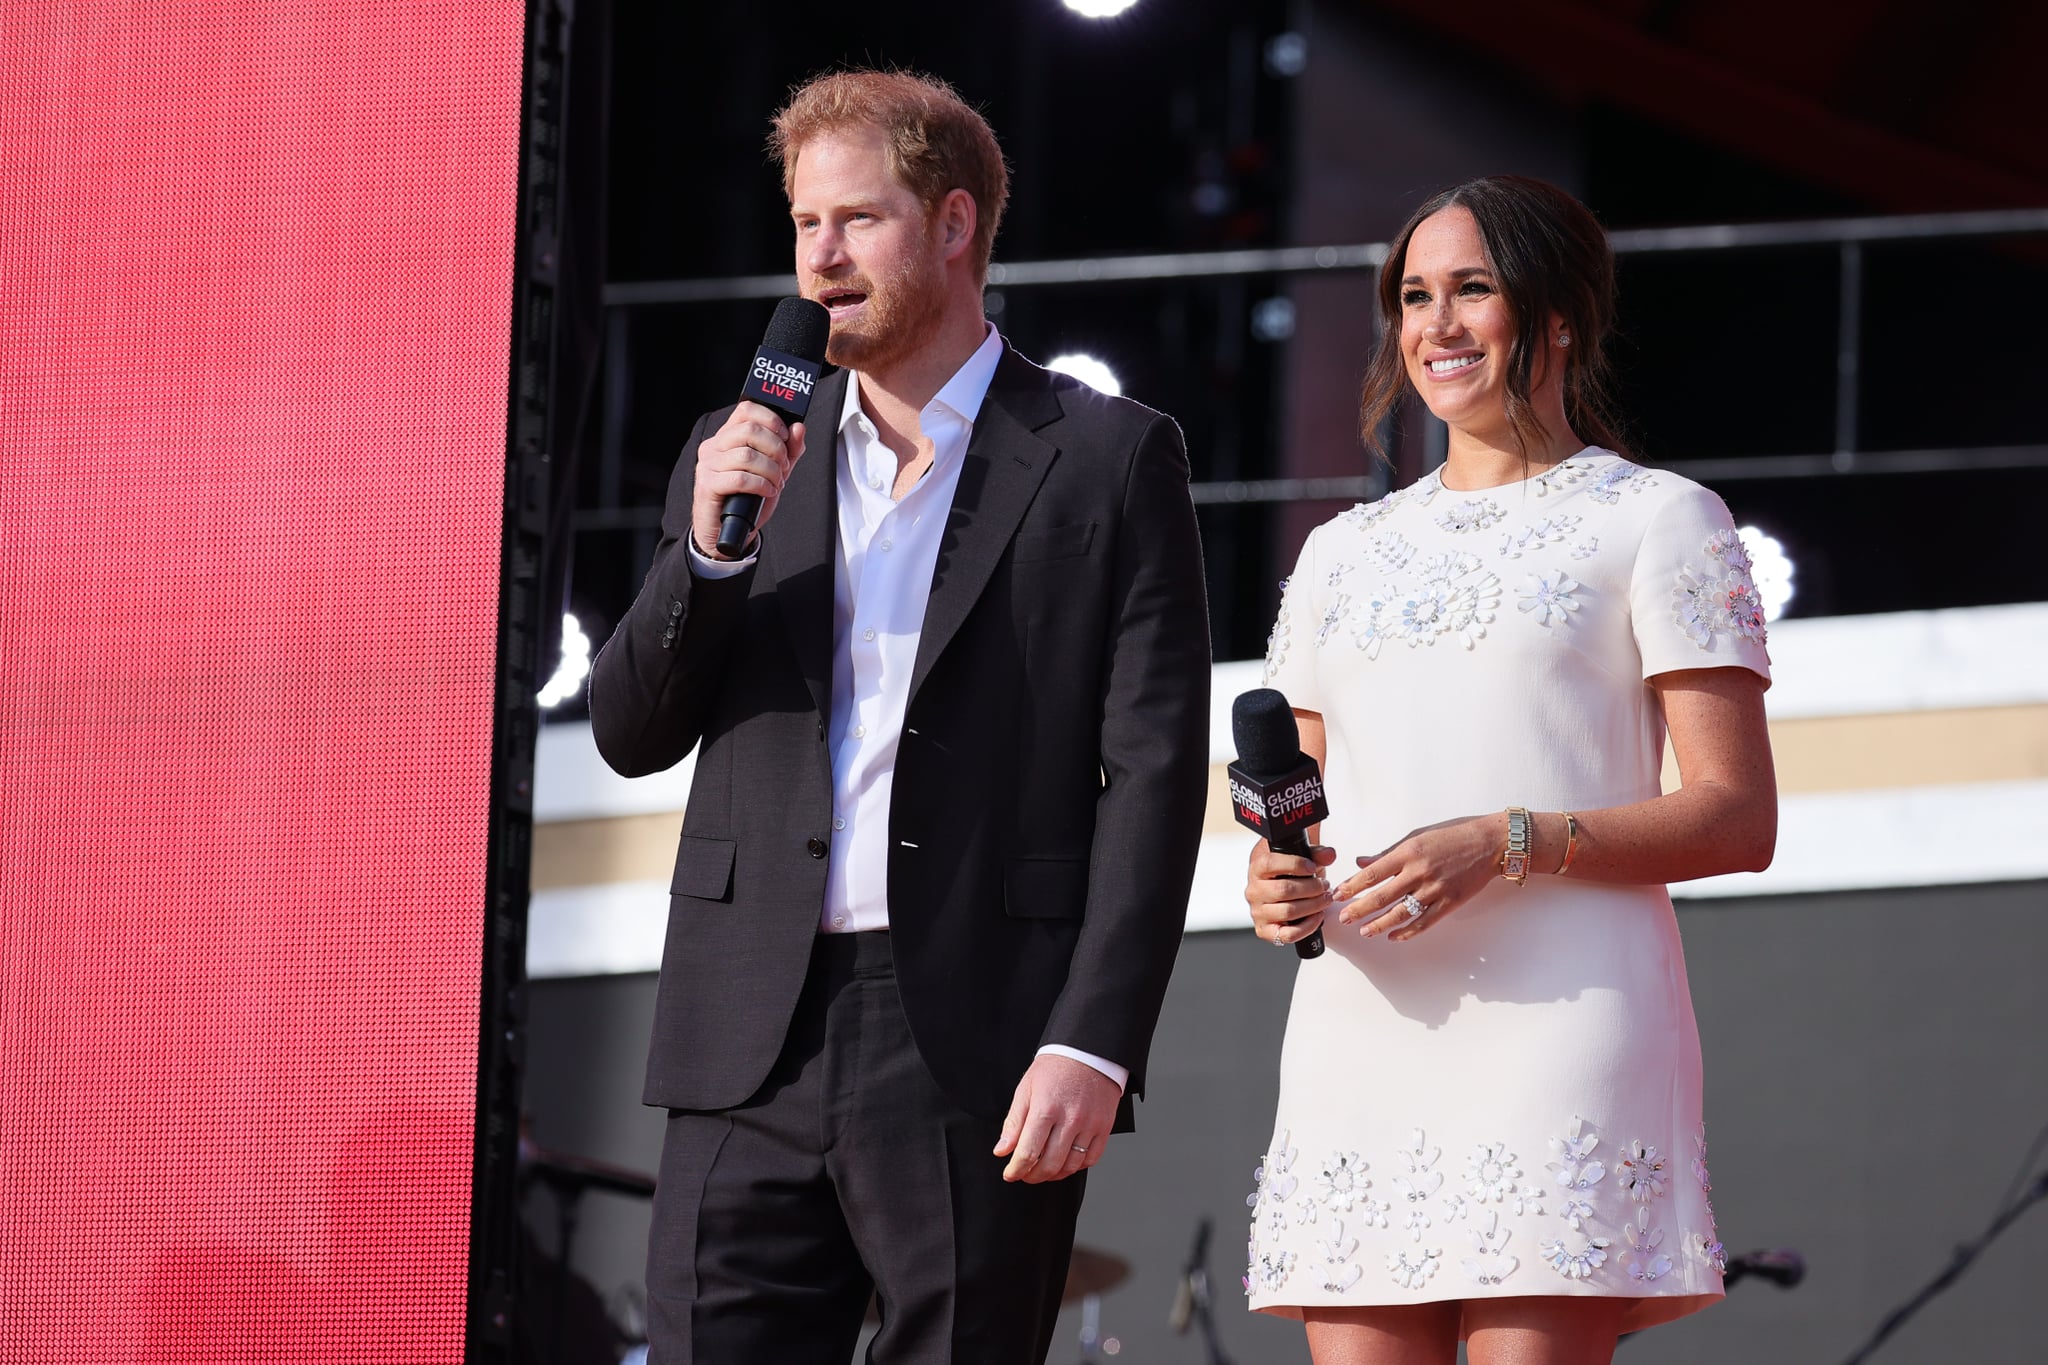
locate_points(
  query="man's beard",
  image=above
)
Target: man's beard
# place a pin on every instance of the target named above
(903, 315)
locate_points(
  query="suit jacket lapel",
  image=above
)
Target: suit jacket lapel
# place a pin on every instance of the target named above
(798, 548)
(1005, 463)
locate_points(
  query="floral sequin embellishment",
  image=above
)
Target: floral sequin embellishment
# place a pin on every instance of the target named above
(1641, 1173)
(1491, 1173)
(1343, 1181)
(1549, 597)
(1473, 514)
(1412, 1272)
(1618, 478)
(1271, 1181)
(1421, 1182)
(1560, 476)
(1720, 600)
(1644, 1263)
(1456, 599)
(1489, 1263)
(1365, 515)
(1276, 643)
(1389, 551)
(1333, 616)
(1576, 1167)
(1339, 1274)
(1576, 1263)
(1549, 531)
(1269, 1271)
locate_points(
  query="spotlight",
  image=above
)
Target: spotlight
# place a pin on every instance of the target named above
(1771, 567)
(575, 666)
(1100, 9)
(1089, 371)
(1273, 319)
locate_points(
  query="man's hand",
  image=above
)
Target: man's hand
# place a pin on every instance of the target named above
(752, 453)
(1059, 1121)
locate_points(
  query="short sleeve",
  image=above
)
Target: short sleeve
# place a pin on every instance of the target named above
(1692, 600)
(1290, 651)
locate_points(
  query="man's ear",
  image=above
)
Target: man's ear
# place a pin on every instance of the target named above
(957, 218)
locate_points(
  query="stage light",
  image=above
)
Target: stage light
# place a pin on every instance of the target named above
(1273, 319)
(1771, 567)
(575, 666)
(1089, 371)
(1100, 9)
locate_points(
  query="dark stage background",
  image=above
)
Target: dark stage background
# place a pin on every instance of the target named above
(1186, 125)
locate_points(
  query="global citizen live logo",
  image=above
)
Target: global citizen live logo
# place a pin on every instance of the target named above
(781, 380)
(1291, 802)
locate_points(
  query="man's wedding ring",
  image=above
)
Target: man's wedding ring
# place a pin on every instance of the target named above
(1411, 908)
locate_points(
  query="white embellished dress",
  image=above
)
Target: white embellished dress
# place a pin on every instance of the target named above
(1508, 1103)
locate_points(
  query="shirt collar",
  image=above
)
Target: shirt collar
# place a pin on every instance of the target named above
(962, 394)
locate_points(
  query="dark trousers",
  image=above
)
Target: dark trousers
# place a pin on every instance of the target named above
(850, 1173)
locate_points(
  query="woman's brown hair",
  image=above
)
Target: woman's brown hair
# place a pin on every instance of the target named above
(1548, 256)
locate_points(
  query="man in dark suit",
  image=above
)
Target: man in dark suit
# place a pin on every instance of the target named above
(952, 718)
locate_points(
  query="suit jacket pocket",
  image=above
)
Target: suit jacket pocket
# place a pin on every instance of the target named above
(1054, 542)
(1045, 888)
(703, 868)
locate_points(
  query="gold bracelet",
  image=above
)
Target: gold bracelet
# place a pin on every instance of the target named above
(1571, 841)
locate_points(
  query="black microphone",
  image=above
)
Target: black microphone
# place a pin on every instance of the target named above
(785, 369)
(1782, 1266)
(1275, 790)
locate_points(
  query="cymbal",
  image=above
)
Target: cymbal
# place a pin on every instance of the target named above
(1093, 1272)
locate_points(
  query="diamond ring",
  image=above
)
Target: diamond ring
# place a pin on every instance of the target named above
(1411, 908)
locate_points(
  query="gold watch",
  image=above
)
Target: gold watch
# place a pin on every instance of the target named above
(1514, 864)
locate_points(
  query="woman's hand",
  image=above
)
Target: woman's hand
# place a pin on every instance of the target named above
(1441, 866)
(1288, 896)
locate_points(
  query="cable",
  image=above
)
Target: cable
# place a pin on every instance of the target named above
(2019, 1177)
(1960, 1262)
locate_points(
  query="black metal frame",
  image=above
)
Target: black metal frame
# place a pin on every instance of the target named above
(494, 1215)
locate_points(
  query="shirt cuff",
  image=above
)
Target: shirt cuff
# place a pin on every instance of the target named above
(704, 566)
(1120, 1074)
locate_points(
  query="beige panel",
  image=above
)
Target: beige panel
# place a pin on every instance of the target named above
(629, 848)
(1906, 749)
(1814, 754)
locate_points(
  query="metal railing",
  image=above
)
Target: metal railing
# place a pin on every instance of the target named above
(1848, 236)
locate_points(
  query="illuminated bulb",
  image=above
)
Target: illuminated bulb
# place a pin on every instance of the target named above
(1771, 567)
(575, 666)
(1100, 9)
(1089, 371)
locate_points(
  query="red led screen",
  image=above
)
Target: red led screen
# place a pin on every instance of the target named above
(255, 294)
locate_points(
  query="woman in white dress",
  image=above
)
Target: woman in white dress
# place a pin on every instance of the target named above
(1489, 1123)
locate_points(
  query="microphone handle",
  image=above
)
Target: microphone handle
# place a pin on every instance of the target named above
(1296, 846)
(736, 523)
(740, 512)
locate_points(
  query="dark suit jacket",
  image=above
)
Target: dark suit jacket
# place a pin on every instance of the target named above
(1052, 774)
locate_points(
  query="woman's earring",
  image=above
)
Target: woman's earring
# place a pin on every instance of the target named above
(1564, 338)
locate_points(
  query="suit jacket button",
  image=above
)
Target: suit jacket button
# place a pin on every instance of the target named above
(816, 848)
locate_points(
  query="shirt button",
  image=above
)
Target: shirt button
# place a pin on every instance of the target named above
(839, 921)
(888, 545)
(875, 484)
(868, 634)
(815, 847)
(860, 731)
(839, 822)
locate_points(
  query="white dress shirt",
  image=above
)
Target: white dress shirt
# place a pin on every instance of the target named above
(882, 582)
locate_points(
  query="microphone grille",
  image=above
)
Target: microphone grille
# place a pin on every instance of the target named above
(1262, 725)
(799, 328)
